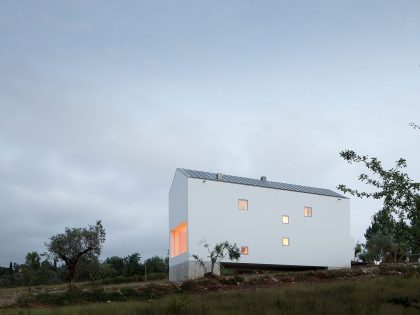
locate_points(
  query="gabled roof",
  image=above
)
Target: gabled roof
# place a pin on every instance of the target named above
(260, 183)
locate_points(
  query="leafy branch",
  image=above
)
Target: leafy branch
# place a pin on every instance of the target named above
(415, 126)
(393, 185)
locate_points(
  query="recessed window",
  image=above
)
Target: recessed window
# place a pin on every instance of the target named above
(285, 241)
(307, 212)
(243, 204)
(179, 240)
(285, 219)
(244, 250)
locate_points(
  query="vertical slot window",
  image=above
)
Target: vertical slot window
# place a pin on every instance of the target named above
(285, 241)
(244, 250)
(307, 212)
(179, 240)
(285, 219)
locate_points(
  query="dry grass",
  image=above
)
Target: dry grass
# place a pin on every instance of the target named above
(369, 296)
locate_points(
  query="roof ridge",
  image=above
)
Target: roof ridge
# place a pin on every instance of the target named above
(259, 183)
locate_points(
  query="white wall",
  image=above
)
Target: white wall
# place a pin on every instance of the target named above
(178, 210)
(320, 240)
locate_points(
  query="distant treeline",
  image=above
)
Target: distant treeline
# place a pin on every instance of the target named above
(39, 269)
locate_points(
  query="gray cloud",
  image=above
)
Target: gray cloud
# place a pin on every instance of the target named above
(97, 110)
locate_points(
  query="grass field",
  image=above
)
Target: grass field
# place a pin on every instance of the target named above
(383, 295)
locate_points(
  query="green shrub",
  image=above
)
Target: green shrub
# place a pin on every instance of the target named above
(130, 292)
(238, 278)
(231, 280)
(404, 301)
(70, 297)
(176, 304)
(157, 276)
(188, 285)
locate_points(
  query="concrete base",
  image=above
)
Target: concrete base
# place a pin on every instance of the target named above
(339, 268)
(190, 270)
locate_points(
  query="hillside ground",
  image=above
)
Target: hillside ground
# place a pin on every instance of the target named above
(378, 290)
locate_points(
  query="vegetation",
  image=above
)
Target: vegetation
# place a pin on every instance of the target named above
(219, 252)
(76, 243)
(385, 295)
(111, 271)
(78, 249)
(394, 233)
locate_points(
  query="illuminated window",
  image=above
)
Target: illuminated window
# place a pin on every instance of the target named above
(243, 204)
(179, 240)
(285, 219)
(285, 241)
(244, 250)
(307, 212)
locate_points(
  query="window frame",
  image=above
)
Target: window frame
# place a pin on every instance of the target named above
(284, 216)
(305, 212)
(283, 241)
(239, 204)
(178, 240)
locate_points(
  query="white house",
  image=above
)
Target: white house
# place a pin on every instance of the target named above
(274, 224)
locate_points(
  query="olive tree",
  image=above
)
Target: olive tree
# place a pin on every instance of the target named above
(76, 243)
(219, 252)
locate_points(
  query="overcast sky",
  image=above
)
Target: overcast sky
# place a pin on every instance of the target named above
(100, 102)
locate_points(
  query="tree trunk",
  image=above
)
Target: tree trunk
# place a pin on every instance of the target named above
(72, 273)
(213, 262)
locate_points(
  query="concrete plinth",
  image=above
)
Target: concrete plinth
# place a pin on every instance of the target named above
(190, 270)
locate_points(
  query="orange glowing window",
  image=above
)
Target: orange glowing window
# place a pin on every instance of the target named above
(179, 240)
(244, 250)
(285, 241)
(285, 219)
(243, 204)
(307, 212)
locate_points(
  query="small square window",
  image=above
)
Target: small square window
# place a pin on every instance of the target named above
(244, 250)
(285, 241)
(285, 219)
(243, 204)
(307, 212)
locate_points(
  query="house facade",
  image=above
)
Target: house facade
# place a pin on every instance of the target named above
(274, 224)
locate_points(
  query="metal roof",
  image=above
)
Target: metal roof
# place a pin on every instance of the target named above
(259, 183)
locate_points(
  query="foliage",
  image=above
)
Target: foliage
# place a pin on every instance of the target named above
(394, 233)
(394, 186)
(176, 304)
(385, 295)
(218, 253)
(75, 243)
(359, 251)
(116, 265)
(188, 285)
(415, 126)
(32, 265)
(157, 264)
(33, 261)
(89, 268)
(132, 265)
(387, 238)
